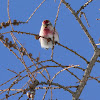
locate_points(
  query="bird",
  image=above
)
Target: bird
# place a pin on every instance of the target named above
(46, 34)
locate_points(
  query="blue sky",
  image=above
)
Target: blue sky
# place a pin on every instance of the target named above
(70, 34)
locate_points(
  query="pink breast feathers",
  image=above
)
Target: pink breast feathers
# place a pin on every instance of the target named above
(47, 31)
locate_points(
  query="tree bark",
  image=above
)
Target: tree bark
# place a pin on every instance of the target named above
(86, 75)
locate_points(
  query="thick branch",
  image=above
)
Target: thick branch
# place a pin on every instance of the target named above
(86, 75)
(81, 24)
(93, 59)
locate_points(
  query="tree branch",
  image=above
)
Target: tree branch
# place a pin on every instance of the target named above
(93, 59)
(85, 5)
(81, 24)
(86, 75)
(56, 84)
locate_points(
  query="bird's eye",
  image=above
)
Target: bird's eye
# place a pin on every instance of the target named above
(47, 24)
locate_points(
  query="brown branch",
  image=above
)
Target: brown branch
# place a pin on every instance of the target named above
(95, 78)
(45, 94)
(73, 74)
(14, 39)
(64, 70)
(16, 76)
(98, 61)
(97, 19)
(73, 52)
(35, 10)
(52, 87)
(84, 17)
(51, 40)
(15, 22)
(86, 75)
(82, 7)
(91, 78)
(56, 84)
(54, 27)
(2, 40)
(47, 73)
(81, 24)
(80, 68)
(93, 59)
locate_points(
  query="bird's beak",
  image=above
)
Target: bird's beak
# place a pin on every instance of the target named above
(46, 25)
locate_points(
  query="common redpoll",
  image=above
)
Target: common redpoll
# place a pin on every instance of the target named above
(47, 32)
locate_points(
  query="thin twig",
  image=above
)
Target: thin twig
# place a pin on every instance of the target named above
(95, 78)
(55, 27)
(73, 75)
(81, 24)
(82, 7)
(98, 61)
(84, 17)
(98, 44)
(45, 94)
(93, 59)
(74, 52)
(56, 84)
(35, 10)
(62, 70)
(14, 38)
(97, 19)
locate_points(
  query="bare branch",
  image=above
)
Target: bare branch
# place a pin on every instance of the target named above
(84, 17)
(54, 28)
(81, 24)
(97, 19)
(82, 7)
(64, 70)
(74, 52)
(45, 94)
(37, 67)
(35, 10)
(56, 84)
(92, 61)
(86, 75)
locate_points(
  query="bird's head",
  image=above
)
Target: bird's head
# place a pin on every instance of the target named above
(46, 24)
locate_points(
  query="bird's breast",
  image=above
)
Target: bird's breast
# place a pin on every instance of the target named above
(47, 31)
